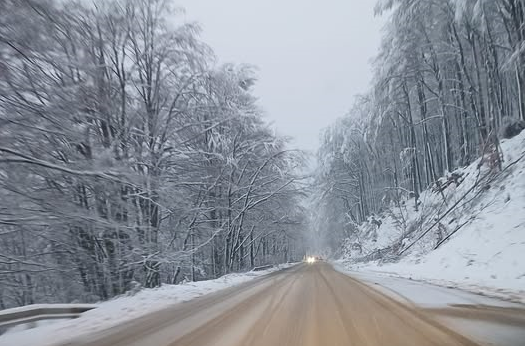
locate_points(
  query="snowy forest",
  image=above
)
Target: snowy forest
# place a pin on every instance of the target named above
(130, 158)
(449, 84)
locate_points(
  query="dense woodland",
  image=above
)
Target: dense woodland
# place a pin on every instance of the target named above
(449, 83)
(129, 157)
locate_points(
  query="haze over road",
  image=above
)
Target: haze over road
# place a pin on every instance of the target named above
(306, 305)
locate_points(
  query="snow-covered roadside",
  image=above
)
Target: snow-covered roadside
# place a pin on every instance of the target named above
(427, 294)
(487, 253)
(440, 278)
(126, 308)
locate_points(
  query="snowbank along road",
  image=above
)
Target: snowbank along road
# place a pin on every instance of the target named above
(305, 305)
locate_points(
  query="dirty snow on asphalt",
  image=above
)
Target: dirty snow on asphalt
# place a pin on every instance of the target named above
(125, 308)
(434, 298)
(422, 293)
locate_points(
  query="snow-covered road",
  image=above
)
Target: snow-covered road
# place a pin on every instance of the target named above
(124, 309)
(308, 304)
(487, 320)
(304, 305)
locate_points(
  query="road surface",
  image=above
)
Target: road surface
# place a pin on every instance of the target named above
(307, 305)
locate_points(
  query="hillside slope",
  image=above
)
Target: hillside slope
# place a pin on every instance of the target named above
(471, 236)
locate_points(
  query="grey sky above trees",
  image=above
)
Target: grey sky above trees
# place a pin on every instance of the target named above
(313, 56)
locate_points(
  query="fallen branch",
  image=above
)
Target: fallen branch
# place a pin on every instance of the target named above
(478, 182)
(452, 233)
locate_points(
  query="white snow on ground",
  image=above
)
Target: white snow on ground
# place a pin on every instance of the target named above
(486, 333)
(126, 308)
(486, 255)
(421, 293)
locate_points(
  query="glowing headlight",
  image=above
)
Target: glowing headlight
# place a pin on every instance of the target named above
(310, 260)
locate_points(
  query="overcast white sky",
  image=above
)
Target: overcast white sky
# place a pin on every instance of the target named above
(313, 56)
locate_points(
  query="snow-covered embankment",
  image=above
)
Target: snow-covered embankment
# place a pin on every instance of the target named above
(472, 235)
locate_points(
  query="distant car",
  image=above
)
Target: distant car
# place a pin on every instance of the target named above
(312, 259)
(309, 259)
